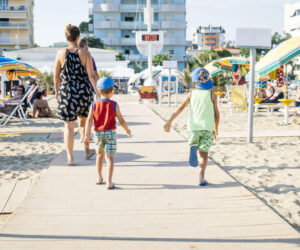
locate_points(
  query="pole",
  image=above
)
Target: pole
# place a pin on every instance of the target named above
(150, 45)
(176, 96)
(251, 95)
(169, 90)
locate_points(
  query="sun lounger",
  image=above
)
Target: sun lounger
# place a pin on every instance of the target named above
(237, 98)
(18, 112)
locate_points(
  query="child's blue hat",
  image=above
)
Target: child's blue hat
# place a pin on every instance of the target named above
(105, 83)
(195, 78)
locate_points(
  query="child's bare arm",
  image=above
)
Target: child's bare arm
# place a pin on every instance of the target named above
(177, 113)
(122, 121)
(217, 115)
(89, 123)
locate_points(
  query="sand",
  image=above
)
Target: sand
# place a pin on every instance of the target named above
(270, 167)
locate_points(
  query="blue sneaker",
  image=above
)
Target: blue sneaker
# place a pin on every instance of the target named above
(193, 157)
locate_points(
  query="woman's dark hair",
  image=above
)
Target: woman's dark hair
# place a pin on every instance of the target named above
(39, 95)
(72, 32)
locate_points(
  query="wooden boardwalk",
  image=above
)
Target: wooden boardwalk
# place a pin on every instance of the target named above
(157, 205)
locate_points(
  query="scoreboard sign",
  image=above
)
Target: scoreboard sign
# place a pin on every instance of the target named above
(154, 39)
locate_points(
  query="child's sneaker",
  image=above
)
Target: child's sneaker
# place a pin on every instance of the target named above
(193, 157)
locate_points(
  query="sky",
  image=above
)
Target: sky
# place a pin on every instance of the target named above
(51, 17)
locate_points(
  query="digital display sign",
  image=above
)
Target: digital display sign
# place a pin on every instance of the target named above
(150, 38)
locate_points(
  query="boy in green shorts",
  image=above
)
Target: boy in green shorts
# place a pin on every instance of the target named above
(203, 120)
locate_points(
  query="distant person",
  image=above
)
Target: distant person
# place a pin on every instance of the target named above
(238, 77)
(103, 113)
(83, 44)
(72, 73)
(8, 106)
(41, 107)
(203, 120)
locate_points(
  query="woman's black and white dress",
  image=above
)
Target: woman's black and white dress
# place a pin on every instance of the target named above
(75, 93)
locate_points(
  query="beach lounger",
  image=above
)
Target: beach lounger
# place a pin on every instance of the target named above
(237, 98)
(18, 112)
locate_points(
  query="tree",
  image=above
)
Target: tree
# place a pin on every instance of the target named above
(186, 76)
(224, 53)
(138, 66)
(84, 27)
(47, 79)
(203, 58)
(104, 73)
(120, 56)
(277, 38)
(94, 42)
(158, 59)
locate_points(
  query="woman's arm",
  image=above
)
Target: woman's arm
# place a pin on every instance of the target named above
(34, 109)
(186, 102)
(56, 75)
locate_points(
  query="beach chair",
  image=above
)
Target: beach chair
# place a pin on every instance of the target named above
(18, 112)
(237, 98)
(148, 92)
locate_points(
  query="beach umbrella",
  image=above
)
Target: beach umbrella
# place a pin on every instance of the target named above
(226, 63)
(213, 71)
(26, 70)
(278, 56)
(9, 64)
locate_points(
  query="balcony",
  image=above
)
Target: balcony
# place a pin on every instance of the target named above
(173, 8)
(8, 41)
(127, 41)
(106, 7)
(111, 41)
(134, 7)
(13, 25)
(138, 25)
(174, 41)
(107, 25)
(15, 12)
(179, 58)
(173, 25)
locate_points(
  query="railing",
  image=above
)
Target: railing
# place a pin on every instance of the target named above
(107, 25)
(173, 8)
(106, 7)
(135, 57)
(134, 7)
(13, 25)
(21, 41)
(111, 41)
(11, 8)
(137, 24)
(180, 58)
(127, 41)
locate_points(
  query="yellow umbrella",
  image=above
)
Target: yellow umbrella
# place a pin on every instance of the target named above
(227, 62)
(212, 69)
(280, 55)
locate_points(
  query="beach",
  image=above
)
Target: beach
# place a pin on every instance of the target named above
(269, 168)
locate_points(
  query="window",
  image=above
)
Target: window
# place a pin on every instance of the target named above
(171, 51)
(3, 4)
(126, 51)
(129, 19)
(296, 13)
(127, 36)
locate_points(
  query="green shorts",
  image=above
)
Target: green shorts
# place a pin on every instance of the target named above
(106, 140)
(203, 139)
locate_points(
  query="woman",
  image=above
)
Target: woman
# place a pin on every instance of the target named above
(41, 107)
(8, 106)
(72, 72)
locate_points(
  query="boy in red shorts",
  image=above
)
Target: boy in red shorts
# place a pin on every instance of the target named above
(104, 112)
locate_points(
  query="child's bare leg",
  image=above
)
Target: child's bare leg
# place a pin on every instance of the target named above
(110, 168)
(99, 163)
(202, 165)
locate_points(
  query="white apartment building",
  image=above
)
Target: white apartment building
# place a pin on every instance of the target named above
(16, 24)
(206, 37)
(292, 18)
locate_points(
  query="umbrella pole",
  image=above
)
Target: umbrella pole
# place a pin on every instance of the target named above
(251, 97)
(286, 82)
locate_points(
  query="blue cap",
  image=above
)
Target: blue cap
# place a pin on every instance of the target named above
(195, 75)
(105, 83)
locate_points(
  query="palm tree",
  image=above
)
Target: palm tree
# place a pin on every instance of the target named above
(186, 76)
(105, 73)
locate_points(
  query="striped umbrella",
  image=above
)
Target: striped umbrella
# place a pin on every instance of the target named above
(9, 64)
(27, 70)
(278, 56)
(213, 71)
(227, 62)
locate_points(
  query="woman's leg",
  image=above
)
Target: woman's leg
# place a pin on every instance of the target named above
(69, 139)
(81, 125)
